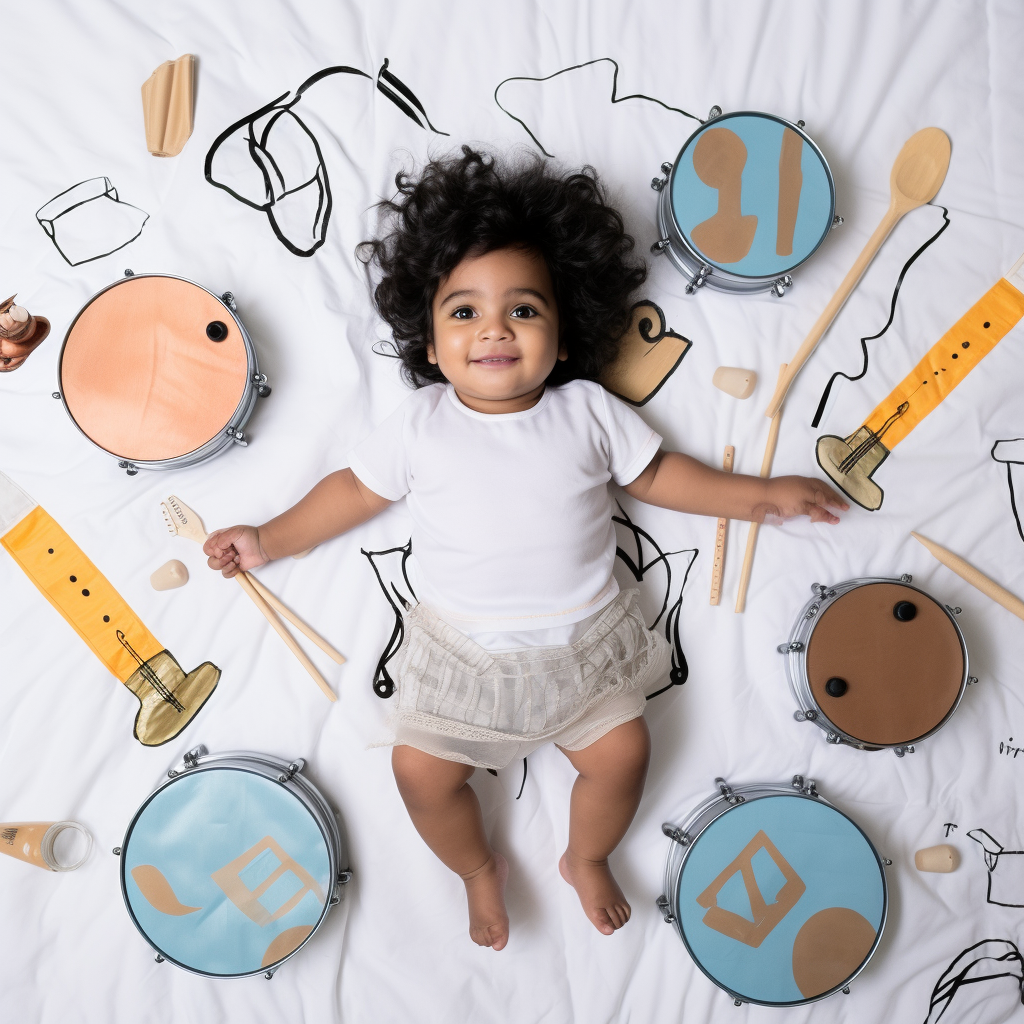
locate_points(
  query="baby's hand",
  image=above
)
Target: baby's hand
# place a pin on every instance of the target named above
(234, 549)
(790, 496)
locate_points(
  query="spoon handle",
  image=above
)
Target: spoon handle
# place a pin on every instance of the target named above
(821, 325)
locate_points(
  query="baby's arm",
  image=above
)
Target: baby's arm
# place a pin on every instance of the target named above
(339, 502)
(676, 481)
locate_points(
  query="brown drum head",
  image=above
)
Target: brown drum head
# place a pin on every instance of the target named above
(899, 656)
(142, 374)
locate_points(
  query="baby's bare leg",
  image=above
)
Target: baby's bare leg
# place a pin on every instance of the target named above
(604, 799)
(446, 813)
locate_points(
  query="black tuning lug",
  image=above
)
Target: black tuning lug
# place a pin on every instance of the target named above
(904, 611)
(836, 687)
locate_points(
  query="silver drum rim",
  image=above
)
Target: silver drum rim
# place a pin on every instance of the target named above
(795, 651)
(216, 444)
(285, 773)
(684, 837)
(689, 262)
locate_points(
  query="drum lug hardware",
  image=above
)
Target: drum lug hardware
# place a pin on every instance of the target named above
(666, 168)
(662, 904)
(296, 766)
(805, 716)
(887, 862)
(262, 387)
(658, 183)
(953, 609)
(660, 245)
(900, 751)
(781, 284)
(818, 589)
(116, 851)
(158, 958)
(846, 991)
(837, 222)
(237, 436)
(906, 578)
(715, 111)
(129, 272)
(727, 792)
(56, 394)
(833, 737)
(675, 833)
(801, 124)
(128, 467)
(344, 877)
(971, 680)
(698, 281)
(793, 647)
(737, 1002)
(190, 759)
(811, 612)
(270, 974)
(229, 300)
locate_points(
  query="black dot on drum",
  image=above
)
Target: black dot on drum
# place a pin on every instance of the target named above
(106, 618)
(74, 579)
(955, 356)
(965, 344)
(986, 325)
(85, 593)
(216, 330)
(936, 373)
(49, 551)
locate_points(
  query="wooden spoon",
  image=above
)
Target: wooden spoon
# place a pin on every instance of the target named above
(916, 176)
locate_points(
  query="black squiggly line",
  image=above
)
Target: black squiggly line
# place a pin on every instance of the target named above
(892, 313)
(383, 684)
(576, 67)
(523, 786)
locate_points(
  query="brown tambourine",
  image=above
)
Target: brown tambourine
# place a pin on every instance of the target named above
(159, 372)
(876, 663)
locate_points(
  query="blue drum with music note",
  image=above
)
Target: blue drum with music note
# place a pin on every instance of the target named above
(747, 200)
(779, 897)
(232, 864)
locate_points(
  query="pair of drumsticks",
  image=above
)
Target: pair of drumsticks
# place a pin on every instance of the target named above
(182, 521)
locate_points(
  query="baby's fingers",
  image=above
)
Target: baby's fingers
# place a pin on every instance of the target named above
(824, 495)
(820, 514)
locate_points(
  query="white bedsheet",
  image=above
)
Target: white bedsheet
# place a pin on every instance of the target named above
(864, 77)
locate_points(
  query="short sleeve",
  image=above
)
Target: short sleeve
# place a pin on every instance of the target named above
(631, 442)
(381, 460)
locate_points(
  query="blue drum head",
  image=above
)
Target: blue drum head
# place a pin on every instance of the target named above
(225, 872)
(781, 900)
(752, 195)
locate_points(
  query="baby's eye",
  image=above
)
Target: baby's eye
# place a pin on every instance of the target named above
(463, 313)
(523, 312)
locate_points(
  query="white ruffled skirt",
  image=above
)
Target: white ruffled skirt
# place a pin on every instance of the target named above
(463, 703)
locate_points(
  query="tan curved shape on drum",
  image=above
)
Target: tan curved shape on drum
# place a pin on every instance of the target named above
(829, 948)
(903, 677)
(158, 891)
(719, 158)
(141, 378)
(287, 942)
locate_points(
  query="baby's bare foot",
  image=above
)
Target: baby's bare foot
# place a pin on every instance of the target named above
(598, 891)
(485, 889)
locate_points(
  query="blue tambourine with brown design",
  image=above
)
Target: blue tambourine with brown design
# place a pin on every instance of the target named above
(748, 199)
(232, 864)
(779, 897)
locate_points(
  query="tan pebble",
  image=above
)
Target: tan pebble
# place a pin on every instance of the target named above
(735, 381)
(170, 575)
(942, 858)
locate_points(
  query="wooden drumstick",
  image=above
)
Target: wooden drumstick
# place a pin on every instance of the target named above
(721, 533)
(282, 609)
(917, 174)
(978, 580)
(766, 469)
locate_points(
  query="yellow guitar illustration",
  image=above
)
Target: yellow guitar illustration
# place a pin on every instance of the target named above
(103, 619)
(851, 461)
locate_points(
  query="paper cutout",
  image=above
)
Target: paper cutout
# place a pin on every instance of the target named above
(791, 180)
(765, 916)
(158, 891)
(272, 161)
(829, 948)
(167, 106)
(247, 900)
(87, 221)
(649, 353)
(718, 159)
(287, 942)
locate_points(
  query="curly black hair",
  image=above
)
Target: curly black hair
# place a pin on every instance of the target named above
(472, 204)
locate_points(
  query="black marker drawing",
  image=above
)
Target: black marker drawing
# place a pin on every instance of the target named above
(390, 568)
(819, 412)
(1005, 870)
(987, 960)
(1011, 452)
(88, 221)
(275, 164)
(949, 827)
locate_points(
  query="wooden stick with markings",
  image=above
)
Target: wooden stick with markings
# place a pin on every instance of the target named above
(721, 533)
(766, 471)
(977, 579)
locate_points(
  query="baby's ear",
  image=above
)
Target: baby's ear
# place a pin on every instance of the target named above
(563, 352)
(431, 354)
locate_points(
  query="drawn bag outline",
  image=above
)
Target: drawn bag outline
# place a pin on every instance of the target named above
(1009, 885)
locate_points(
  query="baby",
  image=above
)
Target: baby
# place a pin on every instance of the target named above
(507, 287)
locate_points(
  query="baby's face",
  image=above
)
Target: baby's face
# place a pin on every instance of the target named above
(496, 330)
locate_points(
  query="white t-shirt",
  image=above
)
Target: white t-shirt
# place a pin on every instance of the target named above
(512, 519)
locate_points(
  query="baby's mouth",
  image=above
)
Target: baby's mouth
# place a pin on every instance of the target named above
(496, 360)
